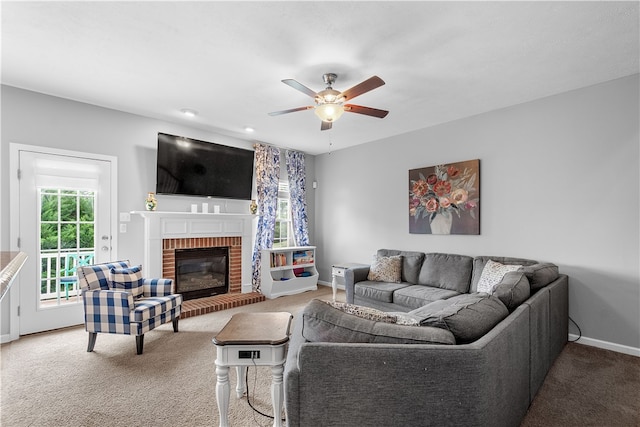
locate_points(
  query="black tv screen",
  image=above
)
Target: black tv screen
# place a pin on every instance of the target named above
(190, 167)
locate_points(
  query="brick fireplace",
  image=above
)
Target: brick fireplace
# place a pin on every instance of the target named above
(164, 232)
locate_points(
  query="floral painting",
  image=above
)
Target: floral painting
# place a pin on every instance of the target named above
(445, 199)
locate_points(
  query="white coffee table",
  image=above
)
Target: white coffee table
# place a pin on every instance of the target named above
(252, 339)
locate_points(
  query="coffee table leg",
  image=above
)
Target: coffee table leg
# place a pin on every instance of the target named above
(241, 372)
(222, 394)
(277, 394)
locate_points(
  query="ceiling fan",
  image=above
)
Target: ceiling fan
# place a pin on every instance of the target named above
(330, 104)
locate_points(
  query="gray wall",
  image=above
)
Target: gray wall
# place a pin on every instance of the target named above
(559, 183)
(36, 119)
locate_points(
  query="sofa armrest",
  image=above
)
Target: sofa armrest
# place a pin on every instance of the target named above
(157, 287)
(107, 310)
(352, 276)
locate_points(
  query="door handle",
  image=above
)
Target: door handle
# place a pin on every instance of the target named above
(105, 248)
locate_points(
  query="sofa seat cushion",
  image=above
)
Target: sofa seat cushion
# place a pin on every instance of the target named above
(540, 275)
(416, 296)
(379, 291)
(467, 316)
(447, 271)
(148, 308)
(323, 323)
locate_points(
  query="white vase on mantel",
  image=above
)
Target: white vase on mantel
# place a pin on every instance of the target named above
(441, 224)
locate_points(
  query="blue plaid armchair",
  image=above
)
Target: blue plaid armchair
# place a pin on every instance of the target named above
(118, 300)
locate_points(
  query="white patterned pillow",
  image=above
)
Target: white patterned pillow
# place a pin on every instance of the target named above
(492, 274)
(386, 269)
(364, 312)
(128, 279)
(374, 314)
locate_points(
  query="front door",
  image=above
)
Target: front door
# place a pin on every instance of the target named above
(65, 222)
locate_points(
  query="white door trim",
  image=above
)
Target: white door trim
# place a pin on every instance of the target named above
(14, 215)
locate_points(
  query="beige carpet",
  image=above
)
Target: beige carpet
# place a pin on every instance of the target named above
(49, 379)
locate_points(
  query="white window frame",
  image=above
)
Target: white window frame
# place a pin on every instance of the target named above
(284, 195)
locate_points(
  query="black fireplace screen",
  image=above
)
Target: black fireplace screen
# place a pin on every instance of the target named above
(202, 272)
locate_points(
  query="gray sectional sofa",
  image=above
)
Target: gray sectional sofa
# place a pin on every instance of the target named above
(449, 356)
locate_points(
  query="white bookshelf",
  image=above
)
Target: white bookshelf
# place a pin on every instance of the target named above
(288, 271)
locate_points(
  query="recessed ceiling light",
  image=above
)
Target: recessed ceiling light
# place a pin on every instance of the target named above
(189, 112)
(249, 129)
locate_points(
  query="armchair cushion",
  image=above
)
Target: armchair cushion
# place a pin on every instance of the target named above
(147, 308)
(127, 279)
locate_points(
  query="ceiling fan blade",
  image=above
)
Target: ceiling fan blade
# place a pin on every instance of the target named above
(326, 125)
(299, 86)
(368, 111)
(293, 110)
(363, 87)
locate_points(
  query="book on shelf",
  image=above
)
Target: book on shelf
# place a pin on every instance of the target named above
(302, 257)
(278, 259)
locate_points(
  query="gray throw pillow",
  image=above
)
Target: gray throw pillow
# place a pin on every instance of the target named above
(513, 289)
(540, 275)
(468, 317)
(323, 323)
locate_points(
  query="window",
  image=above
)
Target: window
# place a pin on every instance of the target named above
(283, 232)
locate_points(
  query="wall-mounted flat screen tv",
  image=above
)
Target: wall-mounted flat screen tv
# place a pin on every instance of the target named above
(191, 167)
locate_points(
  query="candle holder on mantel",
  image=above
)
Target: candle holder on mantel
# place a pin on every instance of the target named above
(150, 202)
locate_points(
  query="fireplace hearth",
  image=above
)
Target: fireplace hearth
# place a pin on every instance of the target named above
(202, 272)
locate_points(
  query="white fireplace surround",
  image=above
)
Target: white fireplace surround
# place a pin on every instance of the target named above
(160, 225)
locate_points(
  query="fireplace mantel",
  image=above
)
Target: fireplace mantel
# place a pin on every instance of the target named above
(159, 225)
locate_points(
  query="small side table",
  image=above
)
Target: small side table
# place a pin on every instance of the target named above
(250, 339)
(337, 270)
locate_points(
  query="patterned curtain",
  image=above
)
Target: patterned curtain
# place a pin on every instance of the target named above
(267, 177)
(297, 194)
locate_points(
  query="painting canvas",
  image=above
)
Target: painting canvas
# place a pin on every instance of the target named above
(445, 199)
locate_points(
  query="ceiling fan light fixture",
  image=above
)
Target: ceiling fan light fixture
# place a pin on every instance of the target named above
(329, 112)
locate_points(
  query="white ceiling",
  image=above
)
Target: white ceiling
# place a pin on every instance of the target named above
(441, 60)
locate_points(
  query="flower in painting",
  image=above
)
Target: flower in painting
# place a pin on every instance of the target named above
(432, 179)
(470, 205)
(445, 202)
(431, 204)
(459, 195)
(442, 187)
(453, 171)
(420, 188)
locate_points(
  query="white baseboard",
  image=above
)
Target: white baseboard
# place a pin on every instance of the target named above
(4, 338)
(606, 345)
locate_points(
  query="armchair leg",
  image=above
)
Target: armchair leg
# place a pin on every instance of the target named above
(92, 341)
(139, 343)
(175, 324)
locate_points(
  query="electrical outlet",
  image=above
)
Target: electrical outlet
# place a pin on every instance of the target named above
(249, 354)
(125, 217)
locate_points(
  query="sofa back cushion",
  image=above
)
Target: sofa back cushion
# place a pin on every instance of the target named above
(480, 261)
(322, 322)
(411, 263)
(447, 271)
